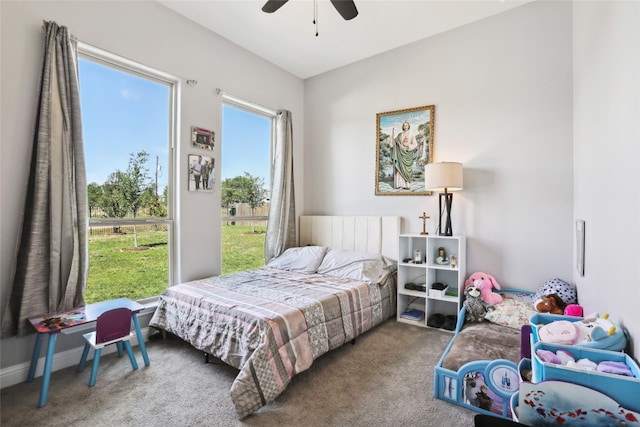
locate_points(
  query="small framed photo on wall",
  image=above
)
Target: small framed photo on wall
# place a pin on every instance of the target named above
(201, 173)
(202, 138)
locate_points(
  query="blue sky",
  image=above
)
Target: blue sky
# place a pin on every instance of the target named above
(123, 113)
(246, 144)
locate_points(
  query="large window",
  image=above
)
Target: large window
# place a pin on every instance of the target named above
(247, 133)
(128, 116)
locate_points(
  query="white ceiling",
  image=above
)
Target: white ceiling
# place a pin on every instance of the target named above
(287, 37)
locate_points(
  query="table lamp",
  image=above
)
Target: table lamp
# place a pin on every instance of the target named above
(447, 177)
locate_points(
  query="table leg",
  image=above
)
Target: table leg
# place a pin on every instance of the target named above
(143, 347)
(34, 357)
(46, 376)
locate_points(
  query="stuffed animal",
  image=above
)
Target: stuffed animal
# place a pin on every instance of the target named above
(573, 310)
(562, 290)
(551, 303)
(596, 327)
(476, 307)
(593, 331)
(485, 283)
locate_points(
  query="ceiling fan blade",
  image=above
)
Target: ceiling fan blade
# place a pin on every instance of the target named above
(272, 5)
(346, 8)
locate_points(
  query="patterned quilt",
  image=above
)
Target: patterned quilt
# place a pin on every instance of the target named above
(271, 324)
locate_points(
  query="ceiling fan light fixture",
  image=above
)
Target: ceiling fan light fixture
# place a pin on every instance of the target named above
(346, 8)
(273, 5)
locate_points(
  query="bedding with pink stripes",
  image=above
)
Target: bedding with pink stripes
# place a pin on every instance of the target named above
(271, 324)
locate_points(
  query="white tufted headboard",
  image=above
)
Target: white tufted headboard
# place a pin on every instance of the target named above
(376, 234)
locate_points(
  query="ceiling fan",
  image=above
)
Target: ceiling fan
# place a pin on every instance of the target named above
(346, 8)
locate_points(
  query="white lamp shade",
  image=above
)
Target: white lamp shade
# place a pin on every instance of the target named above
(443, 175)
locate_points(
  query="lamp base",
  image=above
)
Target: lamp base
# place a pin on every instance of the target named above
(446, 199)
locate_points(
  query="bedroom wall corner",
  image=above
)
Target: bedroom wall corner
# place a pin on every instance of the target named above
(606, 46)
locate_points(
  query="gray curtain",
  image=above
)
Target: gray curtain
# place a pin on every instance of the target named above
(52, 257)
(281, 225)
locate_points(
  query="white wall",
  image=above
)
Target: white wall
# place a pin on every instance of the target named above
(607, 157)
(503, 107)
(153, 35)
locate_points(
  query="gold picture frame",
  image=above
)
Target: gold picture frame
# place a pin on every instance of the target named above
(404, 145)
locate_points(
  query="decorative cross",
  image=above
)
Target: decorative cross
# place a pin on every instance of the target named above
(424, 222)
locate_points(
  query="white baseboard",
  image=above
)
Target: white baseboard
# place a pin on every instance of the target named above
(16, 374)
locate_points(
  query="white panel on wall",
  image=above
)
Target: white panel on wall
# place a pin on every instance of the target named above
(359, 233)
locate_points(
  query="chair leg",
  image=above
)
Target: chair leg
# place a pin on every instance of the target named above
(94, 367)
(83, 359)
(119, 346)
(132, 358)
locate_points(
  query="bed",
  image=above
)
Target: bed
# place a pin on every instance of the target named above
(272, 323)
(479, 368)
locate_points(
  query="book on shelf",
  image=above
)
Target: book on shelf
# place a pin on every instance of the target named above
(413, 314)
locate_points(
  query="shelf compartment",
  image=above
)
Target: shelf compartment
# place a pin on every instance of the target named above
(441, 306)
(407, 247)
(411, 301)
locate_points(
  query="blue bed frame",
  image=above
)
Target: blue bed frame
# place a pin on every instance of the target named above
(501, 376)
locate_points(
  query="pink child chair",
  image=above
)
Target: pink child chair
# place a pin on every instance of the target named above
(112, 327)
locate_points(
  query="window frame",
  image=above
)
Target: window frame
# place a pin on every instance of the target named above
(125, 65)
(258, 110)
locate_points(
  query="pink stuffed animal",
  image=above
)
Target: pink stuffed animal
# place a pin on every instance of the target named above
(486, 283)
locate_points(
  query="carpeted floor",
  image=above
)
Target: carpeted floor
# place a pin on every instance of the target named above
(385, 379)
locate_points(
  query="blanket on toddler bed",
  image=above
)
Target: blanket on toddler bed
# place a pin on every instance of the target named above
(483, 341)
(270, 324)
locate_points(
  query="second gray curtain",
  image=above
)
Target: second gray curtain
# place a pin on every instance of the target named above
(281, 225)
(52, 259)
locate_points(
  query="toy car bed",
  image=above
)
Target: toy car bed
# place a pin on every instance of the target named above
(479, 368)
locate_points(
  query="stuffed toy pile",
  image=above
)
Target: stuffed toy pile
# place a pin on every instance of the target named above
(556, 296)
(485, 283)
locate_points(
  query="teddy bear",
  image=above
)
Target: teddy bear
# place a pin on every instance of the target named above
(476, 307)
(485, 283)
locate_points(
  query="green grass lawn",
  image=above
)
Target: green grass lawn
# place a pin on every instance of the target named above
(242, 248)
(116, 270)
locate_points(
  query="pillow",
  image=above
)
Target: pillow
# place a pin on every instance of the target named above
(305, 259)
(361, 266)
(514, 311)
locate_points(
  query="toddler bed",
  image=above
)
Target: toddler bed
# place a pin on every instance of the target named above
(479, 368)
(272, 323)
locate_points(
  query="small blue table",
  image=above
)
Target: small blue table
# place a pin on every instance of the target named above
(53, 323)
